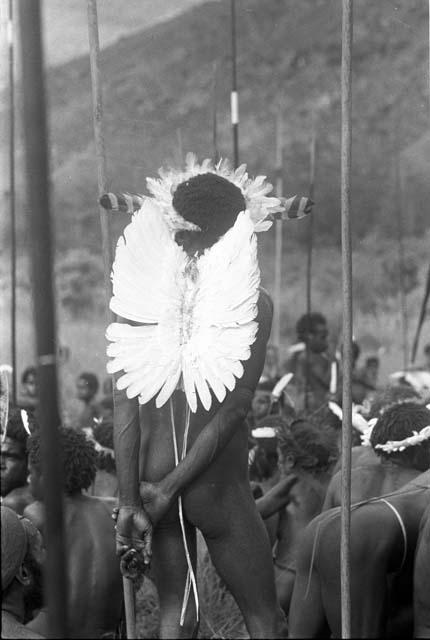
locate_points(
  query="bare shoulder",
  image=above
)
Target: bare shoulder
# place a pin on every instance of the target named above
(35, 513)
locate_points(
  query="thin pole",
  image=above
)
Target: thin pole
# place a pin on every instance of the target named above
(38, 197)
(12, 200)
(96, 90)
(421, 317)
(310, 242)
(401, 249)
(278, 233)
(130, 608)
(346, 144)
(215, 113)
(234, 92)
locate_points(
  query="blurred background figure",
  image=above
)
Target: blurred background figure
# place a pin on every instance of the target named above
(22, 556)
(28, 397)
(311, 362)
(271, 372)
(15, 491)
(87, 386)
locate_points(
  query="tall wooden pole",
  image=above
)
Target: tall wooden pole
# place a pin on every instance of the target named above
(234, 92)
(278, 233)
(421, 316)
(215, 152)
(96, 88)
(37, 174)
(401, 251)
(310, 243)
(346, 144)
(12, 200)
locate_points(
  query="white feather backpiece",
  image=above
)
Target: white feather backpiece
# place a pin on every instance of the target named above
(197, 314)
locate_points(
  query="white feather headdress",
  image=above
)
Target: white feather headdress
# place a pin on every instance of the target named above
(196, 315)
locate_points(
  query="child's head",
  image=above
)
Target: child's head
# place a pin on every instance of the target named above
(78, 457)
(397, 423)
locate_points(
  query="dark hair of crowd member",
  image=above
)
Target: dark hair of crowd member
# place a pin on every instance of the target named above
(78, 457)
(312, 448)
(15, 427)
(308, 324)
(397, 423)
(91, 380)
(392, 396)
(29, 371)
(210, 202)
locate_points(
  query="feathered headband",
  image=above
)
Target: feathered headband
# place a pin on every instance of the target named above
(263, 209)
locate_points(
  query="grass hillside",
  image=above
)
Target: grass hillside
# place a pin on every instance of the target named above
(159, 99)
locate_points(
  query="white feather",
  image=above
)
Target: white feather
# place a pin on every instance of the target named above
(198, 315)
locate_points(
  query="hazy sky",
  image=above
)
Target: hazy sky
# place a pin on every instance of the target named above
(66, 30)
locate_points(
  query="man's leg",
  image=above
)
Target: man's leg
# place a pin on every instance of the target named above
(240, 551)
(170, 572)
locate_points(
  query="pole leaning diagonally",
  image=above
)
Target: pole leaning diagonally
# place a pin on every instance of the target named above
(96, 88)
(346, 148)
(38, 197)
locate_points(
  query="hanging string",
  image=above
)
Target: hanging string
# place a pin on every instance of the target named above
(191, 578)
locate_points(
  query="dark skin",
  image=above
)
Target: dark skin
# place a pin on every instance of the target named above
(14, 488)
(422, 580)
(381, 587)
(217, 499)
(94, 580)
(377, 479)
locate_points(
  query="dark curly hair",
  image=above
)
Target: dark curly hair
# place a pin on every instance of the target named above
(15, 428)
(212, 203)
(307, 323)
(312, 448)
(91, 380)
(391, 396)
(78, 458)
(397, 423)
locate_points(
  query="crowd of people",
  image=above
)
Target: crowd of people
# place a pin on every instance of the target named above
(293, 461)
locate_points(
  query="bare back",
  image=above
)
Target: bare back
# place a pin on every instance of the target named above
(94, 579)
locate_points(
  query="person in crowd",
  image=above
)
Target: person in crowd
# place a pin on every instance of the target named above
(369, 373)
(105, 409)
(87, 386)
(384, 534)
(93, 575)
(15, 492)
(22, 556)
(105, 483)
(28, 398)
(391, 469)
(427, 356)
(212, 478)
(271, 370)
(311, 365)
(305, 454)
(422, 580)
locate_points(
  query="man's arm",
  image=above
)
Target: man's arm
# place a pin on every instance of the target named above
(276, 498)
(218, 432)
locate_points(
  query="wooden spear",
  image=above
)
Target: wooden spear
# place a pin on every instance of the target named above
(399, 177)
(421, 317)
(96, 87)
(234, 92)
(37, 174)
(215, 113)
(346, 144)
(310, 242)
(278, 233)
(12, 201)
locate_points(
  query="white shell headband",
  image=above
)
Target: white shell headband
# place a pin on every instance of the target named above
(366, 427)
